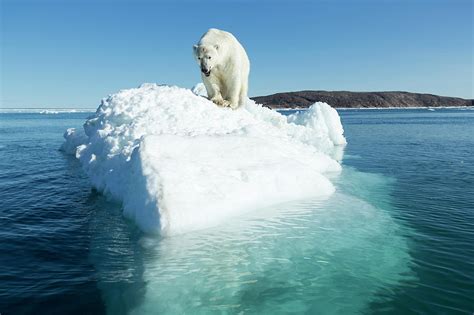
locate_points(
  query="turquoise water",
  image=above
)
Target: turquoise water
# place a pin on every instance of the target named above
(396, 237)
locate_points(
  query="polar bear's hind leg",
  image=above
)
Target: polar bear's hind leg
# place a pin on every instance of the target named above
(234, 90)
(243, 94)
(244, 89)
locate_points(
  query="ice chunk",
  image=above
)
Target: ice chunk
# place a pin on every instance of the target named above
(200, 89)
(178, 162)
(74, 139)
(323, 120)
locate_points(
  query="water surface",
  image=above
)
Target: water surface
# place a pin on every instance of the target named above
(396, 237)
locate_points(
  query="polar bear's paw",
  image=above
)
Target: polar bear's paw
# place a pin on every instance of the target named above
(221, 102)
(226, 103)
(234, 105)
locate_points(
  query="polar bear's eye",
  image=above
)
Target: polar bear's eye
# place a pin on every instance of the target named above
(209, 57)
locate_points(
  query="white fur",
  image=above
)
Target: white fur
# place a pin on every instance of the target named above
(220, 53)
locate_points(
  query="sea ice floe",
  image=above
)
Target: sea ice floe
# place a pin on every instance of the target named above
(177, 162)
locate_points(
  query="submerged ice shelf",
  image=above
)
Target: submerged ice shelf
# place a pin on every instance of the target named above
(177, 162)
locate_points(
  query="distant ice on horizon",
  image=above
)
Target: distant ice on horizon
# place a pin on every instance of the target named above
(46, 111)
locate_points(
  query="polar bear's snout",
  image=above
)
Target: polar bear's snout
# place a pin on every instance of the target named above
(207, 72)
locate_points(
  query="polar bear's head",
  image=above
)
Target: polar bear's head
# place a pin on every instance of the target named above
(207, 57)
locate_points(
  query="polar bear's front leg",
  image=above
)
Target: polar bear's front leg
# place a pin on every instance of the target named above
(214, 93)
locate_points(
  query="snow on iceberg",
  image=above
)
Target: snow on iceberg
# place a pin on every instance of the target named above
(177, 162)
(73, 140)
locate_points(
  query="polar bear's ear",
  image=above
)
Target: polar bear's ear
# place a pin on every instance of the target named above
(195, 48)
(216, 47)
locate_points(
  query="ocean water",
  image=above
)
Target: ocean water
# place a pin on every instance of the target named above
(397, 237)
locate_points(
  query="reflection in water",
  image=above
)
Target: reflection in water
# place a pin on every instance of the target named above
(117, 256)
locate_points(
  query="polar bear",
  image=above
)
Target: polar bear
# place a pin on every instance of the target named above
(225, 68)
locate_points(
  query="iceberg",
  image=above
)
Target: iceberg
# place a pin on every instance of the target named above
(177, 162)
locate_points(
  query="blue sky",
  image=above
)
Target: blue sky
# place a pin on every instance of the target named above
(73, 53)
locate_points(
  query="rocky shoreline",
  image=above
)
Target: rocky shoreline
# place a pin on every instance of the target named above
(345, 99)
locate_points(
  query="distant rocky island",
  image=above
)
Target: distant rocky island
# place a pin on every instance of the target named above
(345, 99)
